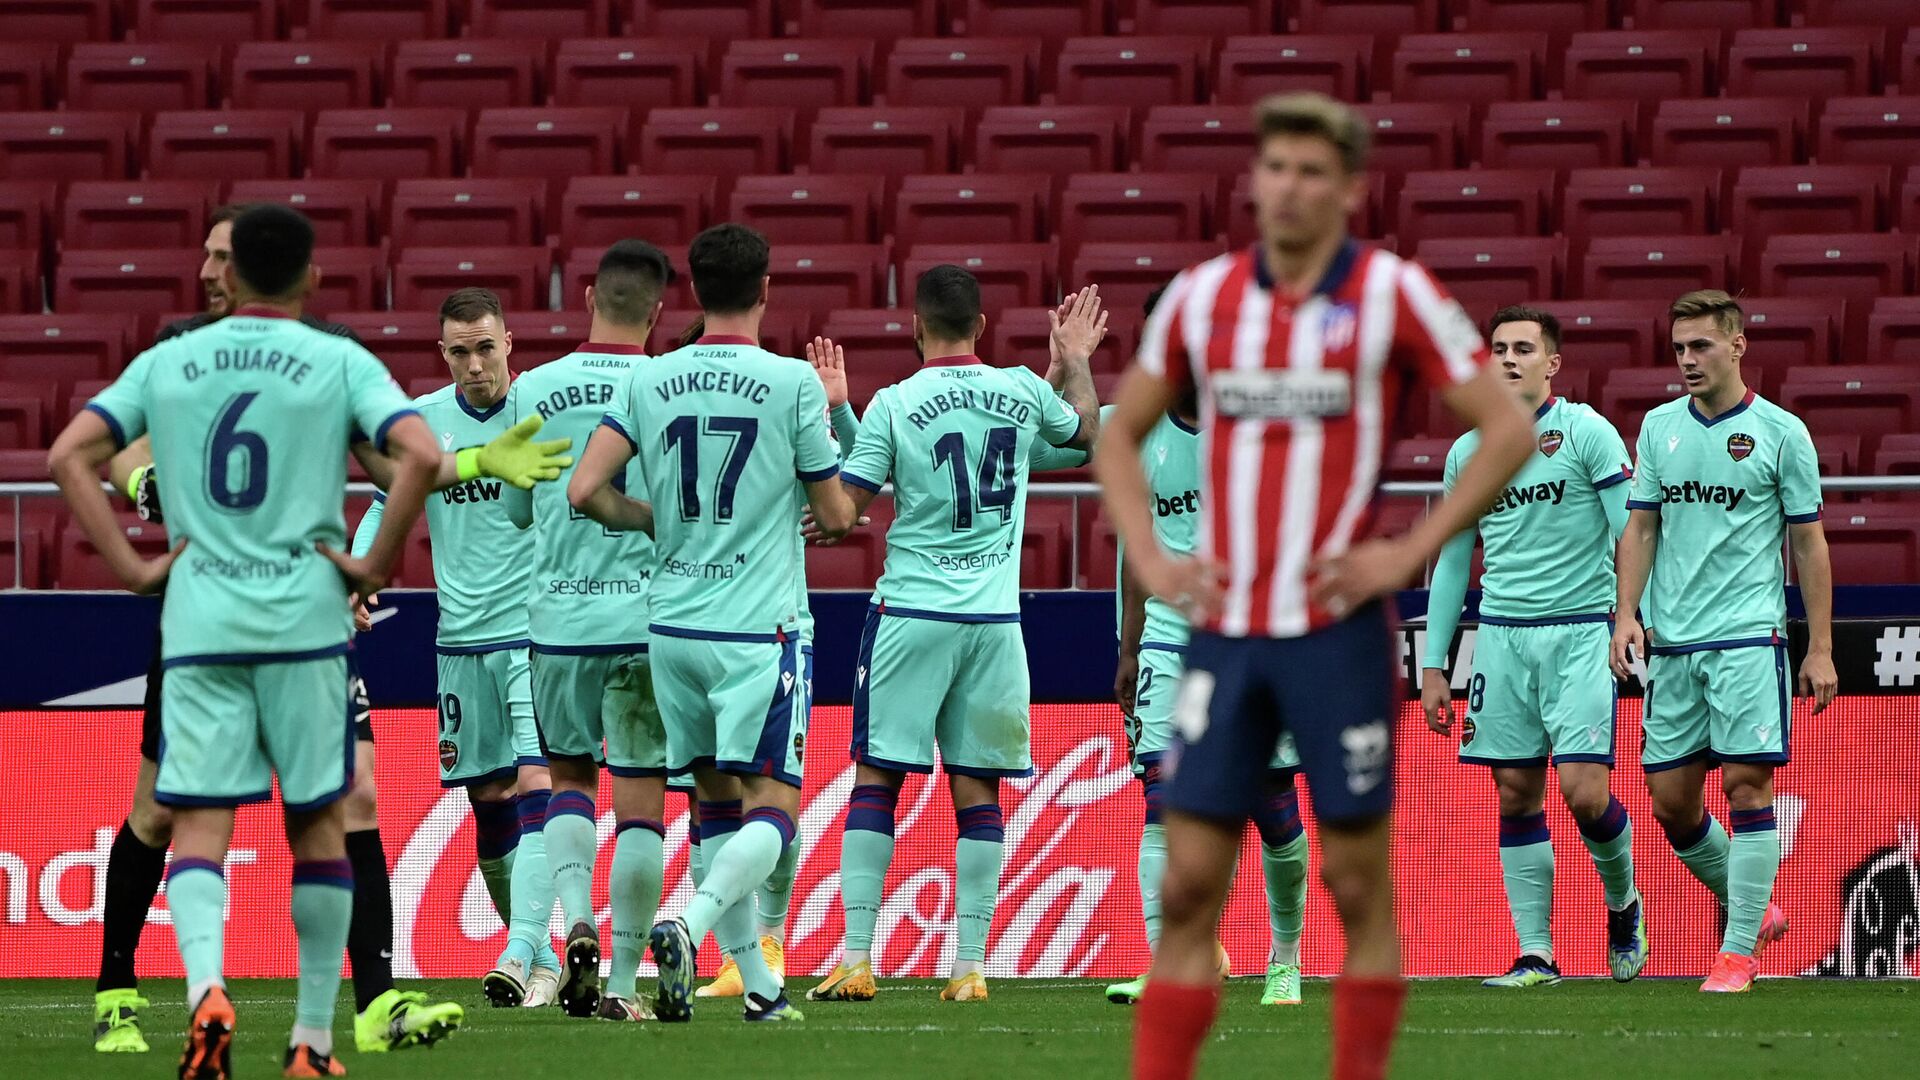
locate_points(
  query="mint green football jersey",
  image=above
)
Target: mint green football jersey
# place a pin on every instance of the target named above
(956, 439)
(251, 418)
(1548, 547)
(1170, 455)
(590, 583)
(1725, 489)
(726, 434)
(482, 562)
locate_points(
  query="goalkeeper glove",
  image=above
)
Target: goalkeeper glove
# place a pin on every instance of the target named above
(515, 457)
(144, 490)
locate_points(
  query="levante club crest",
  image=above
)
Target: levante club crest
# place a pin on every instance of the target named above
(1550, 441)
(1739, 445)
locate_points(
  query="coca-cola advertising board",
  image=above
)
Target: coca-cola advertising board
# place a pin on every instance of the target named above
(1069, 899)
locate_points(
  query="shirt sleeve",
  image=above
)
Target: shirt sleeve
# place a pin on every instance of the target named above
(1434, 337)
(123, 404)
(620, 414)
(373, 398)
(1646, 477)
(369, 527)
(1163, 341)
(815, 457)
(846, 428)
(1603, 453)
(1799, 477)
(1059, 421)
(871, 463)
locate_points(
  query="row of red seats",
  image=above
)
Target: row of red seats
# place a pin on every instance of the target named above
(252, 20)
(559, 144)
(978, 72)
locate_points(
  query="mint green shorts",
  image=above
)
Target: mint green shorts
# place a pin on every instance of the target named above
(1150, 728)
(585, 700)
(1719, 705)
(1540, 694)
(738, 707)
(961, 686)
(227, 730)
(487, 729)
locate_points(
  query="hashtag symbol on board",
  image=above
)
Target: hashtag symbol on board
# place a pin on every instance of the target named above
(1898, 663)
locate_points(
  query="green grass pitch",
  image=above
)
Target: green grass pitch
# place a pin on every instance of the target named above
(1056, 1030)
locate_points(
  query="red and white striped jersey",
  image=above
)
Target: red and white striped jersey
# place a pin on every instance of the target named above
(1299, 401)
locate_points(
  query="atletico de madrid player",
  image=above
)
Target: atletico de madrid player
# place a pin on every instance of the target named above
(1299, 349)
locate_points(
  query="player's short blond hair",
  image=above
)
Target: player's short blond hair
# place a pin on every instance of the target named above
(1715, 303)
(1319, 116)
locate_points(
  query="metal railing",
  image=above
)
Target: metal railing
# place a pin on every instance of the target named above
(1425, 490)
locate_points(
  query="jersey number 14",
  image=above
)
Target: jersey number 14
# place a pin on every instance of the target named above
(996, 489)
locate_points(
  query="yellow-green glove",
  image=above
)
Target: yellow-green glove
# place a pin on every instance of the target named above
(516, 458)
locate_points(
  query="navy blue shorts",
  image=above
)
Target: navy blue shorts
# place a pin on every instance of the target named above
(1335, 691)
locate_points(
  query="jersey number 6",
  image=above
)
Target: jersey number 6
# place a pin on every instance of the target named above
(222, 444)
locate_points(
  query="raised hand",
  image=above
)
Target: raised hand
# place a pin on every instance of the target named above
(830, 364)
(1078, 326)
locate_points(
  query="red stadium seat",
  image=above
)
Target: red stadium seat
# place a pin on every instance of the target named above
(1557, 134)
(422, 276)
(1051, 138)
(1640, 65)
(136, 281)
(204, 20)
(854, 562)
(343, 212)
(719, 19)
(1905, 211)
(232, 144)
(1870, 130)
(351, 279)
(540, 336)
(643, 73)
(1873, 543)
(65, 349)
(66, 145)
(305, 75)
(1214, 18)
(1128, 272)
(406, 341)
(1629, 393)
(1477, 68)
(974, 72)
(988, 208)
(596, 211)
(20, 277)
(1411, 135)
(672, 323)
(1726, 132)
(1046, 20)
(1638, 202)
(1486, 274)
(1416, 460)
(813, 279)
(888, 141)
(24, 409)
(416, 561)
(1144, 207)
(878, 344)
(377, 20)
(1865, 400)
(1893, 331)
(169, 214)
(466, 73)
(1771, 200)
(1019, 336)
(387, 144)
(1474, 202)
(1250, 68)
(1011, 275)
(1708, 14)
(538, 18)
(23, 546)
(1803, 62)
(449, 213)
(1894, 13)
(1606, 335)
(1656, 267)
(1369, 16)
(144, 77)
(1907, 72)
(818, 209)
(1194, 138)
(716, 142)
(1897, 455)
(804, 74)
(58, 20)
(1043, 545)
(26, 74)
(1855, 266)
(1838, 455)
(81, 566)
(1788, 332)
(557, 144)
(1558, 17)
(1137, 72)
(26, 209)
(881, 19)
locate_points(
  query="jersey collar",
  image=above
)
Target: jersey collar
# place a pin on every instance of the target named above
(261, 311)
(1545, 408)
(954, 361)
(611, 347)
(1181, 424)
(1337, 271)
(726, 339)
(482, 415)
(1729, 414)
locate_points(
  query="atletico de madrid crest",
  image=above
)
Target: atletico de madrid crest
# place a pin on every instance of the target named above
(1550, 441)
(1739, 445)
